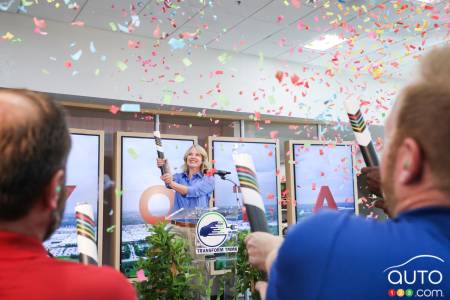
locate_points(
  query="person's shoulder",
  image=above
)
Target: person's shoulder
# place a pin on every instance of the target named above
(318, 232)
(324, 220)
(107, 282)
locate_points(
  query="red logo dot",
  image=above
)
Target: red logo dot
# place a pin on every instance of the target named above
(392, 293)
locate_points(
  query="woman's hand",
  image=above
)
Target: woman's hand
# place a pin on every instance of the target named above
(160, 162)
(167, 178)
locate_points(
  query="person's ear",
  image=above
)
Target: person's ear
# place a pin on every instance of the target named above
(53, 190)
(411, 162)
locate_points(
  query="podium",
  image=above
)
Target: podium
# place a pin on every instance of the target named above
(212, 239)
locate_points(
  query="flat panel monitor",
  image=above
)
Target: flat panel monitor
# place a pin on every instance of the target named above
(266, 160)
(143, 197)
(323, 177)
(84, 184)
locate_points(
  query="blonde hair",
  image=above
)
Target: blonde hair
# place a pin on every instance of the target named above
(424, 114)
(205, 162)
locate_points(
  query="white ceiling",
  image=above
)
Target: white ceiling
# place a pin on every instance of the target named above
(384, 32)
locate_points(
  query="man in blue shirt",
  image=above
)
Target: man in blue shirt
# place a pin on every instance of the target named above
(339, 256)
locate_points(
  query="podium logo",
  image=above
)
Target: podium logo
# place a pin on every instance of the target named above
(212, 229)
(425, 281)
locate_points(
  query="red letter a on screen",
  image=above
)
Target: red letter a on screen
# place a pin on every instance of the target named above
(325, 194)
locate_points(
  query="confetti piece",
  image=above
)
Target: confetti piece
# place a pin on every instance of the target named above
(4, 6)
(68, 64)
(121, 66)
(274, 134)
(261, 60)
(179, 78)
(110, 229)
(132, 44)
(124, 29)
(141, 276)
(295, 3)
(76, 56)
(187, 62)
(78, 24)
(176, 44)
(224, 58)
(279, 76)
(133, 153)
(92, 47)
(114, 109)
(157, 32)
(8, 36)
(167, 99)
(113, 26)
(39, 23)
(130, 107)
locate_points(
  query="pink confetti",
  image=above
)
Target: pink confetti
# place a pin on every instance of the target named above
(39, 23)
(114, 109)
(78, 24)
(274, 134)
(295, 3)
(157, 32)
(132, 44)
(141, 276)
(68, 64)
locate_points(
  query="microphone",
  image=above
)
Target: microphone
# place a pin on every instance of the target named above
(221, 173)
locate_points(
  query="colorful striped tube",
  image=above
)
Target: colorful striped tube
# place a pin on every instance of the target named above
(159, 147)
(252, 199)
(86, 240)
(362, 133)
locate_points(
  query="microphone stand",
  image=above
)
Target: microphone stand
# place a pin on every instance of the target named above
(235, 188)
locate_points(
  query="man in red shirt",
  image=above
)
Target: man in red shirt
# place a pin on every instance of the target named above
(34, 145)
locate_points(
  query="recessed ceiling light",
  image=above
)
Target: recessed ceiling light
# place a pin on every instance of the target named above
(325, 42)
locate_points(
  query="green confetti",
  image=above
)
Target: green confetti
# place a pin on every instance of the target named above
(190, 125)
(113, 26)
(187, 62)
(97, 72)
(110, 229)
(224, 58)
(121, 65)
(272, 99)
(179, 78)
(118, 193)
(167, 99)
(133, 153)
(223, 101)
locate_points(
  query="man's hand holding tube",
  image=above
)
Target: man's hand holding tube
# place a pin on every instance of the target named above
(262, 250)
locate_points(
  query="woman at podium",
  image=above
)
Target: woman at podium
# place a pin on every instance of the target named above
(192, 186)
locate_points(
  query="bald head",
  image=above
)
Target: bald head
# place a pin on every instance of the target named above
(34, 144)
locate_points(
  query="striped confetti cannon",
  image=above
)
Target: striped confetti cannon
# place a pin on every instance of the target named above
(252, 199)
(362, 133)
(159, 147)
(87, 243)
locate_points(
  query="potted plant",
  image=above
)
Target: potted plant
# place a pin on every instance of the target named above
(247, 275)
(167, 266)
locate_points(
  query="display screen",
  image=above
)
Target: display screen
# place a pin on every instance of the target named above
(323, 178)
(144, 196)
(264, 157)
(82, 186)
